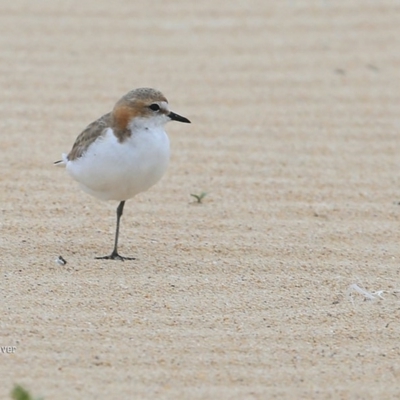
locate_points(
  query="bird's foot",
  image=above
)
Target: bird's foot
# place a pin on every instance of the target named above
(115, 256)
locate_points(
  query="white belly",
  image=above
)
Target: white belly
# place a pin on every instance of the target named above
(111, 170)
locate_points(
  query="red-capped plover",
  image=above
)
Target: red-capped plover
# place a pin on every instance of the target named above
(124, 152)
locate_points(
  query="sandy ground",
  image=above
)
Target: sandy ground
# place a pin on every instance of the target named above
(295, 138)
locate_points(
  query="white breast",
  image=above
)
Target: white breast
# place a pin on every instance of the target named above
(111, 170)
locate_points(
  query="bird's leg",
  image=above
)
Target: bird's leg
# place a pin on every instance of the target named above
(114, 255)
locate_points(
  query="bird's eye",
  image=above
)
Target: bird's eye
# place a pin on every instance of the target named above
(154, 107)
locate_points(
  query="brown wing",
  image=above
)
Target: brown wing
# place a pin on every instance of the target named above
(88, 136)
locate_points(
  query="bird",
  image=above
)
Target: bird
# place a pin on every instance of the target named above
(124, 152)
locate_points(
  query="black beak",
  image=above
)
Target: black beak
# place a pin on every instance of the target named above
(176, 117)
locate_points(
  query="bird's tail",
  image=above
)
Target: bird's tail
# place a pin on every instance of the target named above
(63, 162)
